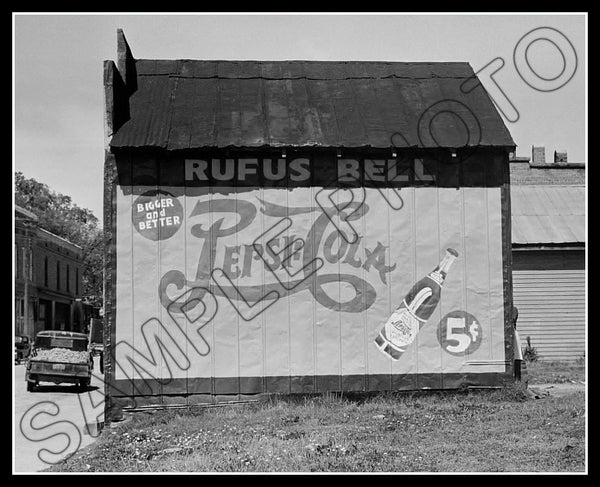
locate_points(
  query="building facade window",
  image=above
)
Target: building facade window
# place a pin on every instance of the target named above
(24, 264)
(46, 271)
(68, 278)
(77, 281)
(57, 274)
(18, 263)
(30, 263)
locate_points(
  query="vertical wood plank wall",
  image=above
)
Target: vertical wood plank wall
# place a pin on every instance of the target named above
(325, 349)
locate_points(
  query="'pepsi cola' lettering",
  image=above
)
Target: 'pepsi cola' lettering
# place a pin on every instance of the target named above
(241, 262)
(417, 307)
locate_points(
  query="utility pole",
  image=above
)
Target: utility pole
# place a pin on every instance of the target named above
(26, 284)
(27, 265)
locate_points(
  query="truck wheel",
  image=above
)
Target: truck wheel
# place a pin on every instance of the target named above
(30, 386)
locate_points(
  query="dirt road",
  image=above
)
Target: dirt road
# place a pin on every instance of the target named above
(50, 423)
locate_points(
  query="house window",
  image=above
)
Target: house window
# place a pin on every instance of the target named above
(68, 278)
(57, 274)
(46, 271)
(19, 270)
(25, 267)
(77, 281)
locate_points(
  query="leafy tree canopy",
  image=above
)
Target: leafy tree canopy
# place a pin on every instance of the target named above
(58, 214)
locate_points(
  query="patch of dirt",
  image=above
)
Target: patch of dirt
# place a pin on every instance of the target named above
(537, 391)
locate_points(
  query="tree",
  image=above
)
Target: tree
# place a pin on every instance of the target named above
(58, 214)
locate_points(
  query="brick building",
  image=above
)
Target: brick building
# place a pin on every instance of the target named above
(530, 171)
(548, 241)
(48, 272)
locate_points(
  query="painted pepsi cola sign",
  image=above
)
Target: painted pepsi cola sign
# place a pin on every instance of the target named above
(307, 273)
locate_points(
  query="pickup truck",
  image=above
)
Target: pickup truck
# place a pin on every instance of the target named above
(59, 357)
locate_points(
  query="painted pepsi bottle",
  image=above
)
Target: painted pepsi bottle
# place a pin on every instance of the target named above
(417, 306)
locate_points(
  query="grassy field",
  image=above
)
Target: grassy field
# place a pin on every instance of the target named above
(476, 431)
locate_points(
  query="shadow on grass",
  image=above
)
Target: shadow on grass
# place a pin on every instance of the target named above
(513, 392)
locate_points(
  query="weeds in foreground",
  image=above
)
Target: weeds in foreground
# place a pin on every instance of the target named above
(449, 431)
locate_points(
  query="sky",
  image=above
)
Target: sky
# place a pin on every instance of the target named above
(58, 104)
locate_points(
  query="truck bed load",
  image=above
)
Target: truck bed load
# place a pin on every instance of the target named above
(62, 355)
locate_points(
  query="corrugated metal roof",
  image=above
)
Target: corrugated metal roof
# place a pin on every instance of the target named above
(185, 104)
(548, 214)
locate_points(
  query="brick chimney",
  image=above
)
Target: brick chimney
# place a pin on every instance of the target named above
(560, 156)
(538, 155)
(126, 62)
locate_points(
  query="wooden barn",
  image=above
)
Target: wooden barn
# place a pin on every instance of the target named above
(301, 227)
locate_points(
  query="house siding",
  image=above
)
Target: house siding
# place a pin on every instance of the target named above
(549, 291)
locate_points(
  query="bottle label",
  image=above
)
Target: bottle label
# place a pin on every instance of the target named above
(402, 328)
